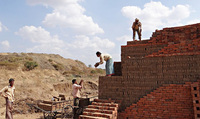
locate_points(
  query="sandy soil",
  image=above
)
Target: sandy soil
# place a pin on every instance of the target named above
(40, 85)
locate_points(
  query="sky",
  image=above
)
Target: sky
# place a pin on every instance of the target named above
(76, 29)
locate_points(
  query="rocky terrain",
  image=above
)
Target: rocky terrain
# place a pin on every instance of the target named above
(42, 76)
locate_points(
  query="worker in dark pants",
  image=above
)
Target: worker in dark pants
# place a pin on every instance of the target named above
(76, 88)
(76, 91)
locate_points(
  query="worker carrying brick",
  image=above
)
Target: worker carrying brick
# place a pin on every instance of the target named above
(76, 88)
(137, 27)
(109, 63)
(8, 93)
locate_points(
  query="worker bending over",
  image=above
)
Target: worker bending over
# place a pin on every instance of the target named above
(109, 63)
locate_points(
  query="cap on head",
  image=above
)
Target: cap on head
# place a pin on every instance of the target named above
(73, 81)
(136, 19)
(10, 80)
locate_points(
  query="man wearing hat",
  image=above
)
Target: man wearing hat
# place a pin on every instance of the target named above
(8, 93)
(137, 27)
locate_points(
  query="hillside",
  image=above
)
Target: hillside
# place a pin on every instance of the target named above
(42, 76)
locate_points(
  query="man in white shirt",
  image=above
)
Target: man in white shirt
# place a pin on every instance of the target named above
(8, 93)
(109, 63)
(76, 91)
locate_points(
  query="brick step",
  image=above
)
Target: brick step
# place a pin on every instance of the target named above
(97, 114)
(102, 107)
(105, 104)
(103, 101)
(90, 117)
(107, 101)
(97, 110)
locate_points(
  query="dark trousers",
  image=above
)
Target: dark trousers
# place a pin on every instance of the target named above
(9, 108)
(76, 101)
(138, 32)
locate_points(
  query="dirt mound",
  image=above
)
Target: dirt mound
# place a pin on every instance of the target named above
(52, 76)
(89, 88)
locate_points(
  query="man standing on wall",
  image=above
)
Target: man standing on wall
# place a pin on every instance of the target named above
(76, 91)
(137, 27)
(8, 93)
(109, 63)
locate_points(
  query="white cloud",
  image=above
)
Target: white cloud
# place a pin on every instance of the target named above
(44, 40)
(5, 44)
(193, 21)
(37, 35)
(124, 38)
(0, 27)
(82, 47)
(93, 42)
(155, 15)
(68, 14)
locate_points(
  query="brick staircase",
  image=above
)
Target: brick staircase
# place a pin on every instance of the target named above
(169, 101)
(101, 109)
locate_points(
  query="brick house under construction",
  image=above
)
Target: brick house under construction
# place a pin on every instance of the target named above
(156, 78)
(159, 77)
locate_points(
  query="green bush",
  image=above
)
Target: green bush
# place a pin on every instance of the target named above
(29, 65)
(50, 60)
(93, 72)
(15, 59)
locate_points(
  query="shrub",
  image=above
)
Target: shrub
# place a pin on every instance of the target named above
(29, 65)
(50, 60)
(15, 59)
(93, 72)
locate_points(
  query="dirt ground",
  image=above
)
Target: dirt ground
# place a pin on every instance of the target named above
(40, 85)
(22, 116)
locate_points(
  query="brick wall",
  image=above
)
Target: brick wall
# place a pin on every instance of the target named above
(176, 34)
(168, 102)
(145, 75)
(143, 69)
(118, 68)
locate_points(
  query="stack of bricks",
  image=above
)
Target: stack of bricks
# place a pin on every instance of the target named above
(168, 102)
(190, 47)
(52, 105)
(101, 109)
(176, 34)
(137, 42)
(142, 72)
(140, 77)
